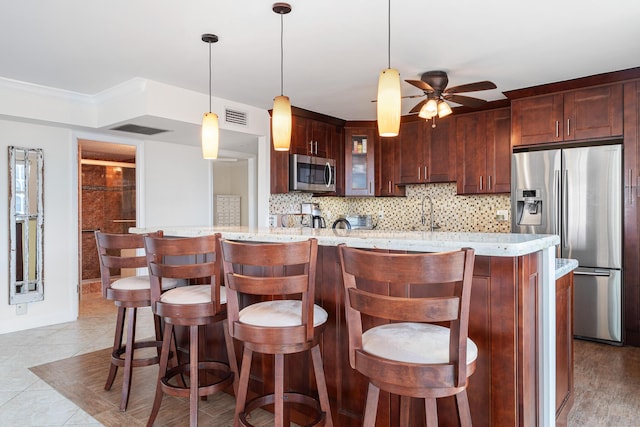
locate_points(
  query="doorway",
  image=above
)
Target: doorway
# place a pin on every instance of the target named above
(106, 201)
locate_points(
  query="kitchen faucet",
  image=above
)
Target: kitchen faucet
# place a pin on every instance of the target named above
(424, 218)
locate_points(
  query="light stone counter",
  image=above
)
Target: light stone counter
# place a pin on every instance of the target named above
(488, 244)
(564, 266)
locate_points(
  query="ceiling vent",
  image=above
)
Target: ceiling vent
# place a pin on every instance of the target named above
(144, 130)
(235, 117)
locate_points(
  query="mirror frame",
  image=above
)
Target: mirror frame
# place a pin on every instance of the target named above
(31, 289)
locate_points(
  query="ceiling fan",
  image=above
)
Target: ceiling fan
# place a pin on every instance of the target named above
(434, 86)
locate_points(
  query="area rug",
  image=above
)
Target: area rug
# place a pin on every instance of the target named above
(81, 379)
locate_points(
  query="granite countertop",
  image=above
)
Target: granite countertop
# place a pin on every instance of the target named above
(565, 266)
(487, 244)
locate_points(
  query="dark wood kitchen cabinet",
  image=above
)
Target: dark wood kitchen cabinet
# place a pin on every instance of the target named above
(631, 261)
(594, 112)
(427, 153)
(312, 134)
(386, 167)
(359, 158)
(564, 348)
(483, 152)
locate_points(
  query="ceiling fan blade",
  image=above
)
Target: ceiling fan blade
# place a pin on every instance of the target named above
(421, 85)
(467, 101)
(413, 96)
(471, 87)
(418, 107)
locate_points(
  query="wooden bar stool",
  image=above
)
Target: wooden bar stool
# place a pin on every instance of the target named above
(193, 260)
(405, 353)
(117, 252)
(271, 310)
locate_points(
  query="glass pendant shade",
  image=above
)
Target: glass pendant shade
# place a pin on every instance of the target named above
(389, 102)
(429, 109)
(444, 109)
(210, 136)
(281, 123)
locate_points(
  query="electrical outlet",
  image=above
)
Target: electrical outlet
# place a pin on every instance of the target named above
(502, 215)
(21, 308)
(380, 214)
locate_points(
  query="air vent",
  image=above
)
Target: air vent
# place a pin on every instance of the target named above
(144, 130)
(235, 117)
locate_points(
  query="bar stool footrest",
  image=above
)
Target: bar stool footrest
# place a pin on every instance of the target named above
(224, 378)
(289, 397)
(117, 356)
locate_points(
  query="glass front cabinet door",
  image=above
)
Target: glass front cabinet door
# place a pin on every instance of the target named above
(359, 162)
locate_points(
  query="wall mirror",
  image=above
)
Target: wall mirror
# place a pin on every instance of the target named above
(26, 225)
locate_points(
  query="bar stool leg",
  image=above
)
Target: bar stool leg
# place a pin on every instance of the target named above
(117, 343)
(128, 357)
(321, 384)
(164, 360)
(464, 413)
(241, 397)
(193, 376)
(431, 411)
(371, 406)
(231, 354)
(279, 390)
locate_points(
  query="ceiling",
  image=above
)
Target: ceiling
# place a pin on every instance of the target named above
(333, 49)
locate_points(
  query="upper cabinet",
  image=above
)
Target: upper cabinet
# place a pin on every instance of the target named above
(594, 112)
(427, 154)
(312, 134)
(483, 152)
(359, 158)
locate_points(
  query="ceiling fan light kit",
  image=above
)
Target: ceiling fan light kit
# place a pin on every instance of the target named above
(434, 86)
(210, 128)
(389, 107)
(281, 113)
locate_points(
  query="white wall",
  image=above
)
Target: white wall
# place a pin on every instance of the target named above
(60, 226)
(177, 186)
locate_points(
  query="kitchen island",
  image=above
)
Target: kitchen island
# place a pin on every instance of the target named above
(512, 321)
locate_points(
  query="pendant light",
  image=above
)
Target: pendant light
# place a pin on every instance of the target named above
(210, 129)
(389, 96)
(281, 113)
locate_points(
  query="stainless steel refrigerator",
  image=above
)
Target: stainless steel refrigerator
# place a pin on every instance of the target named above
(576, 193)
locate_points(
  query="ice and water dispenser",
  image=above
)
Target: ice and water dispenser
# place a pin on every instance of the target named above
(528, 207)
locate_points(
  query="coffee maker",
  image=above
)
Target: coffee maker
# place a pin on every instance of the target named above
(313, 210)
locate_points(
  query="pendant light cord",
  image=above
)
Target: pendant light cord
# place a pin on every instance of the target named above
(209, 76)
(281, 55)
(389, 35)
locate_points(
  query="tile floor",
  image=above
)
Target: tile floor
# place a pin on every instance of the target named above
(26, 400)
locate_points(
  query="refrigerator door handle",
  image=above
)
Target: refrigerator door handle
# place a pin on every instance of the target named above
(565, 204)
(606, 273)
(556, 208)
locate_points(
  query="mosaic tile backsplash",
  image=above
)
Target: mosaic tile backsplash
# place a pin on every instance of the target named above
(450, 211)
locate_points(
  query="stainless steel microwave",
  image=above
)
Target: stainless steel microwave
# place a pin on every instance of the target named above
(311, 173)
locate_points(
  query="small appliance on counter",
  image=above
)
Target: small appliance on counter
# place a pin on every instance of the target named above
(314, 212)
(354, 222)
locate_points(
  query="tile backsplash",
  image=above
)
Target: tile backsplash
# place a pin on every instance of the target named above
(450, 211)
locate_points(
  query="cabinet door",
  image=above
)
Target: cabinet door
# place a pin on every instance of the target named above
(498, 151)
(593, 113)
(537, 120)
(319, 139)
(387, 155)
(564, 347)
(441, 165)
(471, 153)
(336, 152)
(279, 173)
(359, 162)
(412, 153)
(631, 250)
(300, 129)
